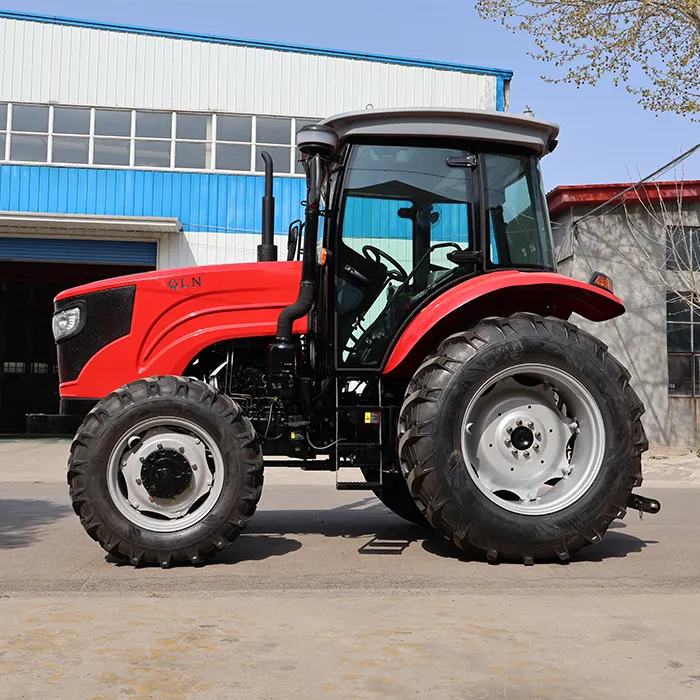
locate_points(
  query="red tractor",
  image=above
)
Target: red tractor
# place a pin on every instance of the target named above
(418, 338)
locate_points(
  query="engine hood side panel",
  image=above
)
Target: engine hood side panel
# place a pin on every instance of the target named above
(177, 313)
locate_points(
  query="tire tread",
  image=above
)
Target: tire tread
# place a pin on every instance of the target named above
(191, 390)
(420, 409)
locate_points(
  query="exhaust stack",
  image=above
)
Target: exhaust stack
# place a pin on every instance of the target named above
(267, 251)
(316, 142)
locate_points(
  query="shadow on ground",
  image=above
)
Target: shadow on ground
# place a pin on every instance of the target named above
(615, 545)
(22, 520)
(365, 518)
(391, 535)
(256, 548)
(378, 531)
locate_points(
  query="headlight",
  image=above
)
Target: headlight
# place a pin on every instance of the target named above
(67, 322)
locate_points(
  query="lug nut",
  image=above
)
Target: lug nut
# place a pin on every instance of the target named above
(194, 467)
(142, 460)
(182, 449)
(160, 445)
(514, 453)
(507, 442)
(526, 453)
(530, 425)
(509, 430)
(538, 435)
(535, 447)
(197, 441)
(138, 482)
(518, 422)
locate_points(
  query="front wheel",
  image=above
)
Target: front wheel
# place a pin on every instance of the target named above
(522, 438)
(165, 470)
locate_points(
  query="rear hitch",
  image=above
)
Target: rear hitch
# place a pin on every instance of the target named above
(643, 504)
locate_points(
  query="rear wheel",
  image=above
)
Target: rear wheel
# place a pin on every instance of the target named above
(522, 438)
(165, 470)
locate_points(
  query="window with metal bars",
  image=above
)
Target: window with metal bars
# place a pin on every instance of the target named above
(683, 343)
(683, 248)
(162, 140)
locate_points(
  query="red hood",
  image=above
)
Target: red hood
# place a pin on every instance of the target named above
(216, 276)
(178, 313)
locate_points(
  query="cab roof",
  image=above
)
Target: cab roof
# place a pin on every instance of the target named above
(472, 124)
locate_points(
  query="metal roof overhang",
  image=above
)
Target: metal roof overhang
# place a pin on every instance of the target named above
(473, 124)
(63, 225)
(568, 196)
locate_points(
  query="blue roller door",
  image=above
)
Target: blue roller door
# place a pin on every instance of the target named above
(78, 250)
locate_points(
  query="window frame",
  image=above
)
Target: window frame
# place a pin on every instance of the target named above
(288, 167)
(693, 248)
(692, 323)
(333, 235)
(533, 180)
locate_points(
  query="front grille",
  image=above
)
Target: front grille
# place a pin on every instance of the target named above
(107, 317)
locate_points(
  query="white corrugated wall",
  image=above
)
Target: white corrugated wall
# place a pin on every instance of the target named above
(43, 62)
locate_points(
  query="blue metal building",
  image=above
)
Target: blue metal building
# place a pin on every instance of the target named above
(124, 148)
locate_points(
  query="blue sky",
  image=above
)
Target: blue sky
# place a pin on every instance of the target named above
(606, 136)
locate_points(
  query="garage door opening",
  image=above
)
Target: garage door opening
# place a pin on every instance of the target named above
(28, 372)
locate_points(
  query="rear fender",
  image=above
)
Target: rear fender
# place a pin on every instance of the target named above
(497, 294)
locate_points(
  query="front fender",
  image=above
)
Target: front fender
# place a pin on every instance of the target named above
(497, 294)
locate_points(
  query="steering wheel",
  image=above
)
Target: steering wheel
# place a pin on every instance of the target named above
(374, 254)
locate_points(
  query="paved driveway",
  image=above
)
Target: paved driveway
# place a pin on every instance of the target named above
(328, 595)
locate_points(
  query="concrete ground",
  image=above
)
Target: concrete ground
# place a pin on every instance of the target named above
(329, 595)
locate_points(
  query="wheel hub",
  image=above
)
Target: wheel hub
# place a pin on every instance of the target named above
(166, 473)
(522, 438)
(521, 450)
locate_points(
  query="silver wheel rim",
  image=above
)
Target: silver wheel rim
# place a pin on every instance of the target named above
(533, 439)
(125, 474)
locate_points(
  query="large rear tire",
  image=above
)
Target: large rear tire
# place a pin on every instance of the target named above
(521, 439)
(165, 471)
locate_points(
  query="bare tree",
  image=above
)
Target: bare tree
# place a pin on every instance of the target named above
(652, 47)
(657, 238)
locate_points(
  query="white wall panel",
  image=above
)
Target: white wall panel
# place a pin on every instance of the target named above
(43, 62)
(211, 248)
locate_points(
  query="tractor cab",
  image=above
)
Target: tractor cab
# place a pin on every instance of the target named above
(417, 201)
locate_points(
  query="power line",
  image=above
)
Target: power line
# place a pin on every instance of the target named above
(662, 169)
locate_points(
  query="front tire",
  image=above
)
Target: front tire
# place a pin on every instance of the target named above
(521, 439)
(165, 471)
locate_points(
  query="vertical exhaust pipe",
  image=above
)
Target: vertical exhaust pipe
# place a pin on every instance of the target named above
(317, 142)
(267, 251)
